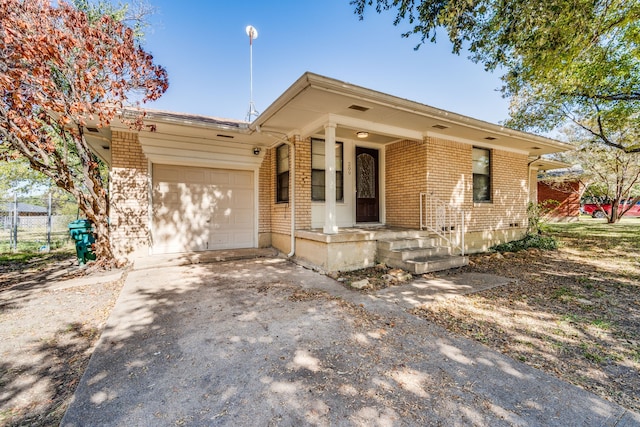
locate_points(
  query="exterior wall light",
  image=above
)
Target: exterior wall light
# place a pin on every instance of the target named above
(362, 134)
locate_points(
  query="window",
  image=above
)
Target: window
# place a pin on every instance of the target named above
(282, 171)
(317, 171)
(481, 175)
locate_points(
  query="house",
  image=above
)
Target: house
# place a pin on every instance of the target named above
(25, 213)
(334, 175)
(23, 209)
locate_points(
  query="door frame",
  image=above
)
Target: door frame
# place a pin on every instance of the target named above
(379, 187)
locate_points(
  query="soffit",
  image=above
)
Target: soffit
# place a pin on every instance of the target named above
(548, 164)
(99, 141)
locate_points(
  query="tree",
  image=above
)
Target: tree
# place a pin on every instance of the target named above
(611, 176)
(533, 39)
(576, 60)
(19, 178)
(60, 71)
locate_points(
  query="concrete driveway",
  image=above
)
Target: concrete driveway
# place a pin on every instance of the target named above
(265, 342)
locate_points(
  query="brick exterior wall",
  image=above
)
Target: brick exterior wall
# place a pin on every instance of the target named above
(443, 168)
(266, 195)
(266, 188)
(568, 196)
(280, 221)
(449, 172)
(303, 183)
(434, 165)
(129, 195)
(509, 194)
(277, 216)
(406, 177)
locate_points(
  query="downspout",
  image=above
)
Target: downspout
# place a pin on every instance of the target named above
(529, 177)
(292, 178)
(293, 199)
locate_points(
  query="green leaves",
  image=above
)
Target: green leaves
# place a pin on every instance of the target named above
(574, 61)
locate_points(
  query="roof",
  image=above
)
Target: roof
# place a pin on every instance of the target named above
(22, 208)
(194, 120)
(313, 100)
(574, 172)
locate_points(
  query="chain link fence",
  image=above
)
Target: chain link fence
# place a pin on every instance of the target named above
(33, 224)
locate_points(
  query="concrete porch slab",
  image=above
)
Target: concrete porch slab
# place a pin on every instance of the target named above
(354, 234)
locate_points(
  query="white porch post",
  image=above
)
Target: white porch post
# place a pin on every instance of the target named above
(330, 226)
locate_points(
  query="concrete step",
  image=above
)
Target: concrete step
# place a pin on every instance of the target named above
(412, 253)
(417, 252)
(428, 265)
(407, 243)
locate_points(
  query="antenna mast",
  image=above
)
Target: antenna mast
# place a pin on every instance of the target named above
(253, 34)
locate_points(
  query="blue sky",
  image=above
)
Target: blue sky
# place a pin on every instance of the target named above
(205, 49)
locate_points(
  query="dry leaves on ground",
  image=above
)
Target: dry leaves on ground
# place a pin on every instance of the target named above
(571, 314)
(51, 335)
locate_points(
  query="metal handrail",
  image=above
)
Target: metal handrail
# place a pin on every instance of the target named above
(442, 219)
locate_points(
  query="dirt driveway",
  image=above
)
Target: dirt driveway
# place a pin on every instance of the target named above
(265, 342)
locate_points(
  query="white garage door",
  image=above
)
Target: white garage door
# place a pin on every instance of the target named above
(199, 209)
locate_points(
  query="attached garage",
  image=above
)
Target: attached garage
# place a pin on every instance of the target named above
(199, 209)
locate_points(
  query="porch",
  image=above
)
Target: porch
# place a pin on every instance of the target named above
(353, 248)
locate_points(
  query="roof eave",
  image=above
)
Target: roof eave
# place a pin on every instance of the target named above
(193, 120)
(311, 80)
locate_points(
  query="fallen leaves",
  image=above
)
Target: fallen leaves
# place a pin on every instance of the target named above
(563, 314)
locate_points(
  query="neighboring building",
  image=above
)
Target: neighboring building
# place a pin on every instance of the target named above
(27, 214)
(23, 209)
(561, 200)
(402, 175)
(559, 191)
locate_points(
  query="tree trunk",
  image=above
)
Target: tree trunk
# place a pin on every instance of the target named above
(613, 215)
(103, 250)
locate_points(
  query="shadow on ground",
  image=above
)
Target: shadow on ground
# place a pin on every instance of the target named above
(265, 342)
(49, 328)
(574, 317)
(53, 369)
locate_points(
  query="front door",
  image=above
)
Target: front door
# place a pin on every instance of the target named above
(367, 188)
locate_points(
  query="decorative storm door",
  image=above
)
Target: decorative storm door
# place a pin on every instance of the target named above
(367, 188)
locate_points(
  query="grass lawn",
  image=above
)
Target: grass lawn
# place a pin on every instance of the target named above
(574, 312)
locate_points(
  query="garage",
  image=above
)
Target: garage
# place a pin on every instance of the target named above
(199, 209)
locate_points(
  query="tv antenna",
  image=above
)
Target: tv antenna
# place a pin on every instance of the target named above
(253, 34)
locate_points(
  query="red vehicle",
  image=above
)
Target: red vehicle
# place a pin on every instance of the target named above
(594, 210)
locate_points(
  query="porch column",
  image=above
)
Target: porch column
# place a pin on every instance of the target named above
(330, 226)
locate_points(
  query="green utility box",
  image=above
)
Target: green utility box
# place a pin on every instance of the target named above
(81, 230)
